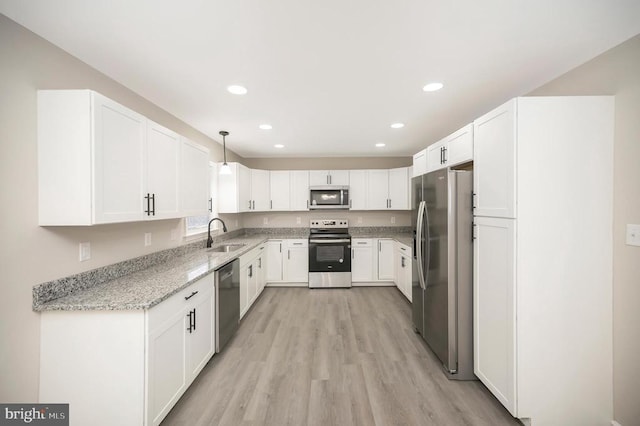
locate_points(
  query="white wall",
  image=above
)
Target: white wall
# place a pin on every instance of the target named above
(31, 254)
(617, 72)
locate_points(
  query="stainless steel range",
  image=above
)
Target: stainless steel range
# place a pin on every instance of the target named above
(329, 253)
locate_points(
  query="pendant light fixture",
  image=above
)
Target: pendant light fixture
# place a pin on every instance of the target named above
(224, 169)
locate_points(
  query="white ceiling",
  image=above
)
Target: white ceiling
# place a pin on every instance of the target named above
(330, 76)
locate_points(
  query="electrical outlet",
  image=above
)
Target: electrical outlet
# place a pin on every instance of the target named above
(147, 239)
(298, 222)
(265, 221)
(85, 251)
(393, 219)
(633, 235)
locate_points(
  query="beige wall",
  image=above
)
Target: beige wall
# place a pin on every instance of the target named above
(356, 219)
(617, 72)
(328, 163)
(31, 254)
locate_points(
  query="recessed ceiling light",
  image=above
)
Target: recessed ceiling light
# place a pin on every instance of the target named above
(265, 126)
(397, 125)
(432, 87)
(237, 90)
(278, 146)
(379, 145)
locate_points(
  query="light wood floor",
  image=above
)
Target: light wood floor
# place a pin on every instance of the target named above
(331, 357)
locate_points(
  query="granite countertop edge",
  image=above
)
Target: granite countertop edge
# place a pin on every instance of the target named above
(144, 289)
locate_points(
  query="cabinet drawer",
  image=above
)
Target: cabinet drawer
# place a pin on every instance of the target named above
(404, 249)
(362, 242)
(298, 242)
(167, 308)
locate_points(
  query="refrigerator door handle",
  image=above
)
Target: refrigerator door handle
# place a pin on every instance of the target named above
(419, 234)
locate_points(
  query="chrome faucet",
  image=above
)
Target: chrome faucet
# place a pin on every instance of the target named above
(210, 239)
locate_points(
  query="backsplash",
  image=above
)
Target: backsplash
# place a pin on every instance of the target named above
(301, 219)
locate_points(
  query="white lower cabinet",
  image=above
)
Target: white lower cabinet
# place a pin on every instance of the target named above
(385, 259)
(252, 277)
(288, 261)
(131, 367)
(372, 261)
(402, 270)
(361, 260)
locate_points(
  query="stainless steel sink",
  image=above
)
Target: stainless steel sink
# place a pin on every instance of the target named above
(226, 248)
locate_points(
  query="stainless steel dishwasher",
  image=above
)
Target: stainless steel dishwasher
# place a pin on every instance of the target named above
(227, 302)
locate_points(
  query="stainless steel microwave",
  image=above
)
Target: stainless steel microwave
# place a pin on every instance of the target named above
(328, 197)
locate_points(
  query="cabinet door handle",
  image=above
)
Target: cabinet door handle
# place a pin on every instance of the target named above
(271, 204)
(473, 232)
(193, 293)
(444, 154)
(210, 204)
(153, 204)
(254, 204)
(473, 201)
(249, 204)
(194, 319)
(379, 246)
(250, 271)
(289, 254)
(148, 199)
(389, 202)
(280, 247)
(260, 263)
(352, 253)
(402, 261)
(307, 204)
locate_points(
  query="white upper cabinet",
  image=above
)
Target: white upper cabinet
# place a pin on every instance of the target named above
(388, 189)
(378, 190)
(234, 189)
(194, 179)
(437, 156)
(420, 163)
(460, 146)
(280, 182)
(260, 191)
(163, 169)
(494, 147)
(358, 189)
(100, 162)
(299, 190)
(399, 181)
(457, 148)
(328, 177)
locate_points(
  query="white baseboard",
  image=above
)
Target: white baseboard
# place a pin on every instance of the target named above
(614, 423)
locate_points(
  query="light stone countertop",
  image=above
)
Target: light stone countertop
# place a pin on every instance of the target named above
(146, 288)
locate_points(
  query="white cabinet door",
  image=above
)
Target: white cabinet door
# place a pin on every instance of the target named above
(494, 307)
(437, 156)
(163, 168)
(296, 261)
(339, 177)
(246, 275)
(119, 140)
(460, 146)
(404, 276)
(261, 271)
(385, 259)
(328, 177)
(378, 190)
(244, 188)
(362, 260)
(399, 188)
(260, 197)
(201, 338)
(299, 190)
(357, 189)
(494, 154)
(274, 261)
(166, 372)
(420, 163)
(194, 179)
(318, 177)
(279, 188)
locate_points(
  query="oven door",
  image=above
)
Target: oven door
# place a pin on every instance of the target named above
(329, 254)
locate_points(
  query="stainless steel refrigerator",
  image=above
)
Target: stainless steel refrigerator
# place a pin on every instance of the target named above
(442, 282)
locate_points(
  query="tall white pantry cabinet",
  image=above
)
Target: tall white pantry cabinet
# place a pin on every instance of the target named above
(543, 183)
